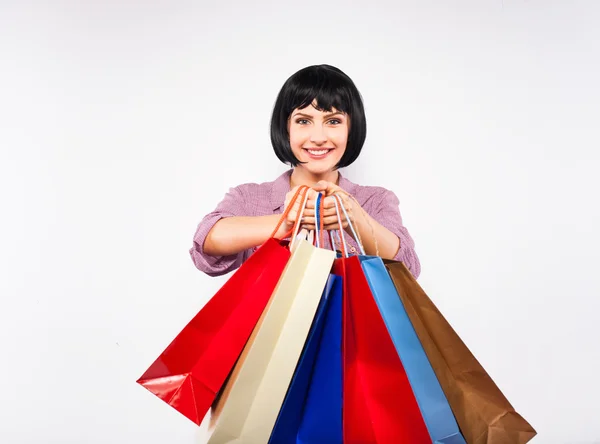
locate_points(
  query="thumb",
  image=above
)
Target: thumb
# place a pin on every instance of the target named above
(320, 186)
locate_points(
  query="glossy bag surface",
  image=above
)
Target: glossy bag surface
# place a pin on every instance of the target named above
(482, 411)
(378, 402)
(254, 394)
(432, 401)
(189, 373)
(312, 410)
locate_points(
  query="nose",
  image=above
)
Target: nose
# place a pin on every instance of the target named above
(317, 135)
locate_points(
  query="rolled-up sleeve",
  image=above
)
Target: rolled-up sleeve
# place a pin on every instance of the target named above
(388, 215)
(233, 204)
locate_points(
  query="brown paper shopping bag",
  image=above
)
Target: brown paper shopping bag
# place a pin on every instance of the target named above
(249, 405)
(483, 413)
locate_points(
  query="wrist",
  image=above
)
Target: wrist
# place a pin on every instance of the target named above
(284, 227)
(357, 216)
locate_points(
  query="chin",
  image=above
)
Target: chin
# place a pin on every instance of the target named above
(318, 170)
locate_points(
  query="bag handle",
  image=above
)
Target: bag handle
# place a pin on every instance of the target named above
(302, 190)
(366, 219)
(350, 224)
(316, 236)
(319, 230)
(341, 230)
(299, 217)
(319, 221)
(318, 240)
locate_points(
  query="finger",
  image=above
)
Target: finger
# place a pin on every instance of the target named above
(332, 209)
(300, 199)
(313, 198)
(310, 204)
(332, 189)
(295, 207)
(329, 212)
(312, 201)
(291, 193)
(320, 185)
(329, 220)
(335, 225)
(345, 201)
(312, 193)
(294, 211)
(329, 202)
(313, 221)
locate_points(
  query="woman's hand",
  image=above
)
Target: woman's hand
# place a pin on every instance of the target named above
(329, 216)
(296, 206)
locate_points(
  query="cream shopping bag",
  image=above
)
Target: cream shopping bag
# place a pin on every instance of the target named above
(249, 405)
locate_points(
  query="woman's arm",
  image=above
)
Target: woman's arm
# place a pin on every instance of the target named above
(232, 206)
(232, 235)
(225, 237)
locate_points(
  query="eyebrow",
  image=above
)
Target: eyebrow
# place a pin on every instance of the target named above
(326, 116)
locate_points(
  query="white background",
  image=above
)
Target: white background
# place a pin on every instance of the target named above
(123, 123)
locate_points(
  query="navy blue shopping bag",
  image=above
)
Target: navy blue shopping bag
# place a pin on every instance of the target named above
(312, 410)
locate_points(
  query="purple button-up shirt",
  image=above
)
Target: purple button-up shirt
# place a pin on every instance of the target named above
(252, 199)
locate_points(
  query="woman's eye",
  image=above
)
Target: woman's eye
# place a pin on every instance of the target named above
(302, 121)
(335, 121)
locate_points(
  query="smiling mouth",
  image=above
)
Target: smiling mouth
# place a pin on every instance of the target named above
(319, 152)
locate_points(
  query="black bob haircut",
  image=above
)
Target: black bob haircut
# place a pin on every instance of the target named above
(330, 88)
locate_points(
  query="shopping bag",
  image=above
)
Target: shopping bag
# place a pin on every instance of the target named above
(483, 413)
(254, 394)
(312, 410)
(378, 403)
(189, 373)
(430, 397)
(322, 416)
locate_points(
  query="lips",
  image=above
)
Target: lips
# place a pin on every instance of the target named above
(318, 153)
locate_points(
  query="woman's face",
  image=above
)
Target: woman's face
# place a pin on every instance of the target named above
(318, 138)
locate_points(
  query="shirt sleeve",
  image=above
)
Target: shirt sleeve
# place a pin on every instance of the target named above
(388, 215)
(233, 204)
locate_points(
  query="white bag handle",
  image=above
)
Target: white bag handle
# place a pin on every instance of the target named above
(350, 224)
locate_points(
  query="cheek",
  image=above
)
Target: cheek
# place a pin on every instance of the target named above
(297, 138)
(294, 142)
(340, 138)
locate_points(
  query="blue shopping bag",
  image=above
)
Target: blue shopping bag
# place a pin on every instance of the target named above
(312, 410)
(436, 411)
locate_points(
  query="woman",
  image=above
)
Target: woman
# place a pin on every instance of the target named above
(318, 126)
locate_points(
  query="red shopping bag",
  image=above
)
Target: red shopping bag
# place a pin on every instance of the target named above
(378, 402)
(193, 368)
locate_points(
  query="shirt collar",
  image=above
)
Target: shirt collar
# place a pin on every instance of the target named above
(281, 186)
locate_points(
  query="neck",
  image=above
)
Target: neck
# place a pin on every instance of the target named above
(300, 176)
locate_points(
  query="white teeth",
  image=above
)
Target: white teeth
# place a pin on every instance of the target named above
(317, 153)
